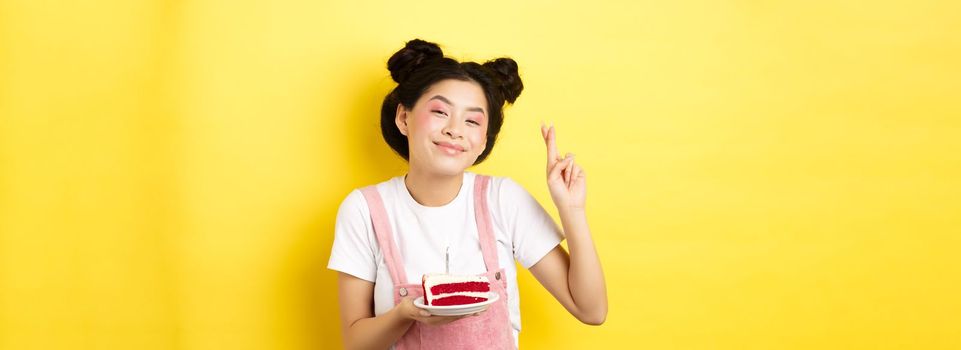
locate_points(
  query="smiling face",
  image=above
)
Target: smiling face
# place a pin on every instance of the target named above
(446, 128)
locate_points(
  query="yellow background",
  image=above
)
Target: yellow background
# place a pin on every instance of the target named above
(762, 175)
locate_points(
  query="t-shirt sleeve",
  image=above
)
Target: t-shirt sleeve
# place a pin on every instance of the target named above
(532, 230)
(353, 249)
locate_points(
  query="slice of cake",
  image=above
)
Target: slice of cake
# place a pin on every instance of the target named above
(441, 289)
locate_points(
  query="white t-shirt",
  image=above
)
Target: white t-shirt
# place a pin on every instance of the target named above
(523, 229)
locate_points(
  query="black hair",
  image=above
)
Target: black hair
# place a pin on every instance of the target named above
(421, 64)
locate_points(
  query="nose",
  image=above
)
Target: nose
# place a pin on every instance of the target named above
(452, 129)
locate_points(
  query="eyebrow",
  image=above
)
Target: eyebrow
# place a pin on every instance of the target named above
(445, 100)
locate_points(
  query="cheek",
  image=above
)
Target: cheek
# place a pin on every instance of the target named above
(477, 139)
(424, 122)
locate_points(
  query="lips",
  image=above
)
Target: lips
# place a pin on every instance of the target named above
(450, 146)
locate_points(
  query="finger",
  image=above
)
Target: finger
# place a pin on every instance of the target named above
(576, 175)
(544, 131)
(551, 145)
(567, 171)
(556, 170)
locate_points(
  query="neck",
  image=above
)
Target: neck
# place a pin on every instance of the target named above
(432, 190)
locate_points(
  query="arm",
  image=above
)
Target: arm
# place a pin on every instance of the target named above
(575, 280)
(362, 330)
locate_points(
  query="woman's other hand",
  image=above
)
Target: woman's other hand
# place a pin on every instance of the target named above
(566, 179)
(411, 312)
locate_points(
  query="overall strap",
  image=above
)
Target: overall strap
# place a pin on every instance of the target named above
(485, 230)
(385, 236)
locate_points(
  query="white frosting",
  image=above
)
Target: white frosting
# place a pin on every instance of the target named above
(466, 294)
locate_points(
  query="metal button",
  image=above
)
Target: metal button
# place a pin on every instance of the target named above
(497, 276)
(403, 292)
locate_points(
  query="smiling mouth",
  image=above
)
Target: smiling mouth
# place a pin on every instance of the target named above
(449, 149)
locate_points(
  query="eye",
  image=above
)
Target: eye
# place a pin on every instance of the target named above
(475, 123)
(439, 112)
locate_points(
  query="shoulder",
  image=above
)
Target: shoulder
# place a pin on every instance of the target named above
(503, 186)
(353, 207)
(354, 204)
(507, 194)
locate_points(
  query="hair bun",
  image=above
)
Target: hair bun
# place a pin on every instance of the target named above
(414, 54)
(508, 80)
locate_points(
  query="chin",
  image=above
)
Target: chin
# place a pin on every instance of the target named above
(451, 167)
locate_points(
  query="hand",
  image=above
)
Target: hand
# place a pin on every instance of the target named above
(411, 312)
(566, 180)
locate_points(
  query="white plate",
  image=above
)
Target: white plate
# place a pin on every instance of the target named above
(457, 310)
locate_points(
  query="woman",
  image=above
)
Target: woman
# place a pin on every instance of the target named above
(442, 118)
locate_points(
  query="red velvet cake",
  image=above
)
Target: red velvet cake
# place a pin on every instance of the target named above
(443, 289)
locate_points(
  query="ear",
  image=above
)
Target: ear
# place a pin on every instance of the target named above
(400, 119)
